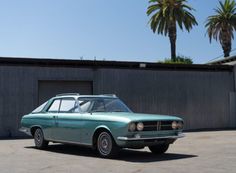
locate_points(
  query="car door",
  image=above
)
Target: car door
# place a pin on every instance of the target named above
(89, 124)
(52, 113)
(68, 122)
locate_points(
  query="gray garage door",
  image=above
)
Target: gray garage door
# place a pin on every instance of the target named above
(48, 89)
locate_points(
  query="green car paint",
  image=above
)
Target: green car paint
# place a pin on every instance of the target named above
(80, 127)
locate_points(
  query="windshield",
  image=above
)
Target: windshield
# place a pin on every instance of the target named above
(102, 105)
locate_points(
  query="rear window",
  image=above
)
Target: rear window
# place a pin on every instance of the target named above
(40, 108)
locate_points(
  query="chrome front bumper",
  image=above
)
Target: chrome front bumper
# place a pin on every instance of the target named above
(180, 135)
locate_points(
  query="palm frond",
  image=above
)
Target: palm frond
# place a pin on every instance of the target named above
(223, 23)
(177, 11)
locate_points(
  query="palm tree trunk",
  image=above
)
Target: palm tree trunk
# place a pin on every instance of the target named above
(173, 37)
(227, 49)
(226, 43)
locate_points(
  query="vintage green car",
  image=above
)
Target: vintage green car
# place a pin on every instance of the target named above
(102, 122)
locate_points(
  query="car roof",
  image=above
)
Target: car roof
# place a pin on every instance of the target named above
(76, 96)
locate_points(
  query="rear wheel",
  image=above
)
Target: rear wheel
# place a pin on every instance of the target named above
(106, 146)
(39, 140)
(159, 149)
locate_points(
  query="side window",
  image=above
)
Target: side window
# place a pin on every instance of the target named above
(54, 106)
(98, 106)
(67, 105)
(85, 105)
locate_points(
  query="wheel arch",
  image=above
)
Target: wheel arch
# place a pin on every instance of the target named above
(33, 129)
(97, 131)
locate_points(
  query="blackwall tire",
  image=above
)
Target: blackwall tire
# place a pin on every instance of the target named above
(39, 140)
(106, 145)
(159, 149)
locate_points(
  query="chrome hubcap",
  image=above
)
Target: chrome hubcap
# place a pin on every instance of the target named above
(104, 143)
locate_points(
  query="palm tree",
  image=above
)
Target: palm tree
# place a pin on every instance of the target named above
(166, 15)
(222, 25)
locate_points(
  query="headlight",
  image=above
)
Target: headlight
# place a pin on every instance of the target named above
(132, 127)
(140, 126)
(174, 125)
(180, 125)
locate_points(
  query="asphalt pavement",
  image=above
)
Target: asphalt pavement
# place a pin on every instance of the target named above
(198, 152)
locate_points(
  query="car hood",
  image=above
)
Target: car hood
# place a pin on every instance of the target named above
(134, 117)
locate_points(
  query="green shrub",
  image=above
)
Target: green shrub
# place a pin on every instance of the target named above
(179, 60)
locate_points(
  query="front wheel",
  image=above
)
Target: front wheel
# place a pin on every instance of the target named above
(106, 146)
(39, 140)
(159, 149)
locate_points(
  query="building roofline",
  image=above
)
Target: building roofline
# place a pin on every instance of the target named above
(43, 62)
(223, 61)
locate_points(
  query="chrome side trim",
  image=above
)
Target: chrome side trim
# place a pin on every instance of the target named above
(69, 142)
(181, 135)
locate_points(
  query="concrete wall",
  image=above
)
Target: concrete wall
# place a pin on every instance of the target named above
(203, 98)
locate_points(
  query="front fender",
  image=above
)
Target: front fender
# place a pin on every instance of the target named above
(102, 127)
(116, 129)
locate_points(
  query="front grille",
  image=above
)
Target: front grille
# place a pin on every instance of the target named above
(157, 125)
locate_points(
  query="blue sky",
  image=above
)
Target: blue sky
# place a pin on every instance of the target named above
(105, 29)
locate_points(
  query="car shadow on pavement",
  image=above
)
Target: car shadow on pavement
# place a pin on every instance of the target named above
(124, 155)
